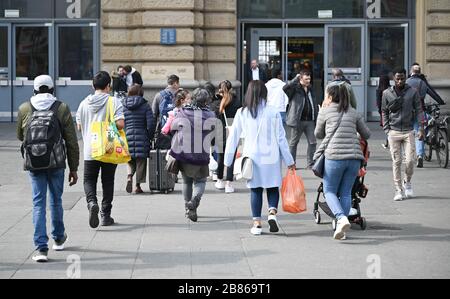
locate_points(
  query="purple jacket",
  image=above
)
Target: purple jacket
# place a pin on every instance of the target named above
(194, 129)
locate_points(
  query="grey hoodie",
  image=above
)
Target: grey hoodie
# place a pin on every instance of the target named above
(93, 109)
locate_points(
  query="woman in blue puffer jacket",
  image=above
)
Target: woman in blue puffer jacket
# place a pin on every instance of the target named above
(139, 129)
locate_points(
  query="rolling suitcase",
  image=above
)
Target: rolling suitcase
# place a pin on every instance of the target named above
(159, 178)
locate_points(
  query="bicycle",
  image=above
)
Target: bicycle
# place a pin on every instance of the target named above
(436, 139)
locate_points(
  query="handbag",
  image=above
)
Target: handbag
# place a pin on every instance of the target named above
(172, 166)
(109, 144)
(319, 165)
(243, 166)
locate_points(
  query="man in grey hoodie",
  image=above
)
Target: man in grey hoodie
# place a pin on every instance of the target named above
(93, 109)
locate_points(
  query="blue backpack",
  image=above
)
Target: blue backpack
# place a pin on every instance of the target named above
(166, 105)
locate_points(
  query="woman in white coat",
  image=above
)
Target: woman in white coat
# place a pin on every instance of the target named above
(266, 145)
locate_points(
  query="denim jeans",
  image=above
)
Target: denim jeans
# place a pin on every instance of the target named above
(54, 180)
(420, 144)
(283, 117)
(273, 197)
(193, 189)
(338, 181)
(91, 172)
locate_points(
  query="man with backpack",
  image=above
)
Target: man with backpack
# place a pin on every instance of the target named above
(46, 128)
(94, 109)
(164, 101)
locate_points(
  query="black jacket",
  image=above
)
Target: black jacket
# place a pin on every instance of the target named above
(137, 78)
(297, 101)
(138, 126)
(262, 75)
(403, 119)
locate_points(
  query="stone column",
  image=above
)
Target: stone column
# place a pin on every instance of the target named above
(433, 43)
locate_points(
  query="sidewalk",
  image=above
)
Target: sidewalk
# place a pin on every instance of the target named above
(153, 239)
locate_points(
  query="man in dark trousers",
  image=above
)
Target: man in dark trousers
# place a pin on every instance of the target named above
(302, 114)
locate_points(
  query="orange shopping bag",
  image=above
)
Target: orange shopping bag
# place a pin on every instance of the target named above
(293, 193)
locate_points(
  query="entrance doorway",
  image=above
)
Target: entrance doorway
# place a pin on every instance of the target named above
(67, 52)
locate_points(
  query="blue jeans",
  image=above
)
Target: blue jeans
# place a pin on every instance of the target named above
(283, 117)
(54, 179)
(420, 144)
(273, 196)
(339, 178)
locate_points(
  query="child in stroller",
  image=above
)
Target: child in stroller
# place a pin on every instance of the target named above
(359, 192)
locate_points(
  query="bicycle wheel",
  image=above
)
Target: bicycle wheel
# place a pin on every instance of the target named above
(442, 148)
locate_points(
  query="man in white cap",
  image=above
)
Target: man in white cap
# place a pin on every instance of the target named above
(44, 150)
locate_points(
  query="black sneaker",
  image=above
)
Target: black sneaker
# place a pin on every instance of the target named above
(107, 221)
(192, 215)
(420, 162)
(59, 244)
(40, 256)
(93, 216)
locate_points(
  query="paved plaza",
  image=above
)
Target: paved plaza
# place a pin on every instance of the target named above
(153, 239)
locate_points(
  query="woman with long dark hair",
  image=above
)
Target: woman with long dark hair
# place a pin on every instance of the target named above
(338, 124)
(225, 107)
(265, 144)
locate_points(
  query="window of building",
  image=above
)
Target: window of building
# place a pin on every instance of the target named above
(310, 9)
(344, 48)
(31, 52)
(3, 51)
(76, 53)
(28, 8)
(394, 8)
(260, 9)
(387, 49)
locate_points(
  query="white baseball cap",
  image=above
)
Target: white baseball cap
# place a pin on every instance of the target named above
(43, 80)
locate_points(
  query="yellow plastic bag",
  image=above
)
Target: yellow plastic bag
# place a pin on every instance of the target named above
(109, 145)
(293, 193)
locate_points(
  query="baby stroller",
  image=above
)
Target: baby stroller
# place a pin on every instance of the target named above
(359, 192)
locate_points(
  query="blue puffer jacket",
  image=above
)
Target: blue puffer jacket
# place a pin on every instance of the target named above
(138, 125)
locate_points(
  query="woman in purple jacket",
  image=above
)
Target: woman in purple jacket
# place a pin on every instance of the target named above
(194, 127)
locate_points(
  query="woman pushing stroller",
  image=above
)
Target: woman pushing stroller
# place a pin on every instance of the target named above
(338, 124)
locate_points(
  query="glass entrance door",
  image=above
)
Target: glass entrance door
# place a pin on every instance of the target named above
(305, 51)
(5, 73)
(31, 52)
(345, 50)
(388, 44)
(76, 61)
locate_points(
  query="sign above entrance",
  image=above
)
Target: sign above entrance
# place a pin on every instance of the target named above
(325, 14)
(12, 13)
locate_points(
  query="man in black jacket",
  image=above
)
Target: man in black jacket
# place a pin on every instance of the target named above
(302, 114)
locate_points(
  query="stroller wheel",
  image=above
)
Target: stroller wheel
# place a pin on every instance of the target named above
(317, 217)
(363, 223)
(334, 224)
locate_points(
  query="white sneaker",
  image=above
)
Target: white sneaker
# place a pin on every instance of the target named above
(256, 230)
(399, 196)
(409, 193)
(353, 212)
(343, 225)
(40, 256)
(214, 177)
(229, 189)
(59, 244)
(220, 185)
(273, 224)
